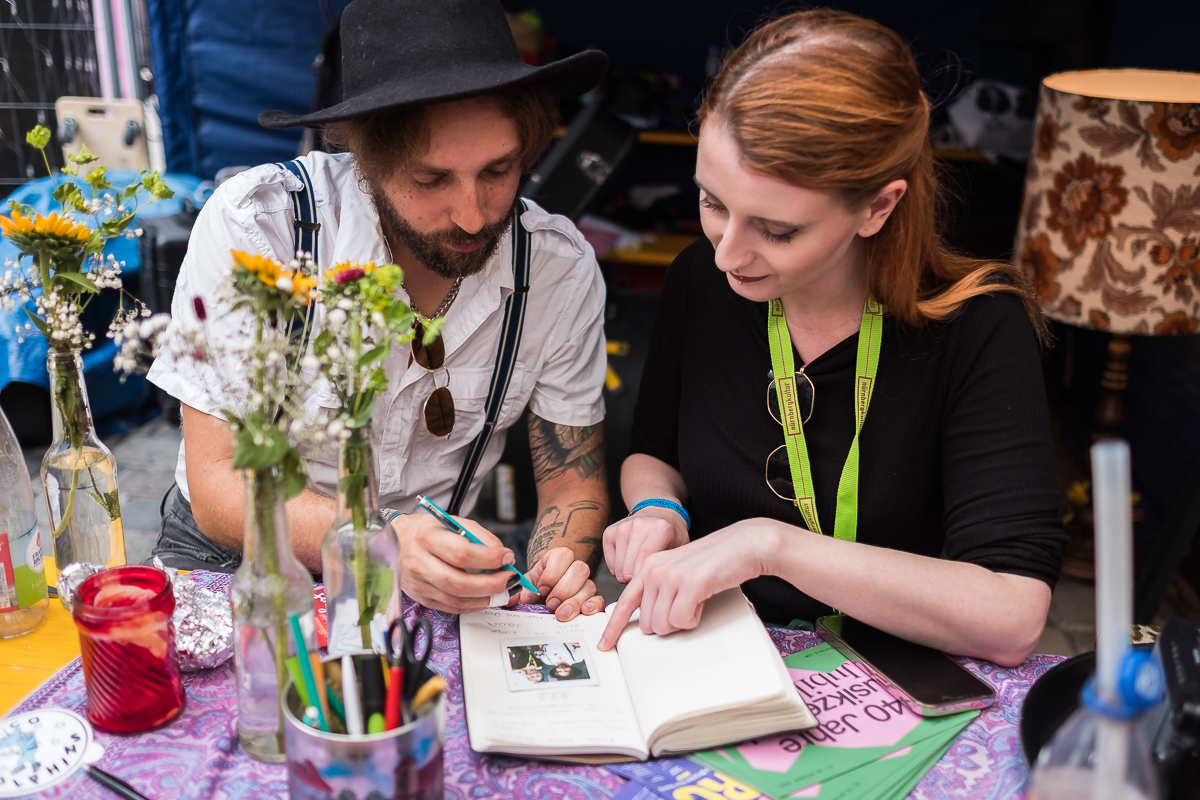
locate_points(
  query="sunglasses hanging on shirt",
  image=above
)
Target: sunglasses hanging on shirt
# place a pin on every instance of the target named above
(438, 410)
(794, 399)
(779, 470)
(806, 395)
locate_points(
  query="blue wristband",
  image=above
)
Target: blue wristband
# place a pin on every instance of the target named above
(389, 514)
(660, 503)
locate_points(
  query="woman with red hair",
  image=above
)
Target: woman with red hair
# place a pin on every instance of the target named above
(837, 411)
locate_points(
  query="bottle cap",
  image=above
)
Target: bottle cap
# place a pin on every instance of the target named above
(1139, 686)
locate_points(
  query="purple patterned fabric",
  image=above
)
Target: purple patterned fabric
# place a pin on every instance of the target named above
(197, 755)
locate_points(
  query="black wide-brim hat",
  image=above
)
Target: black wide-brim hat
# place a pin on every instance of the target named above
(402, 53)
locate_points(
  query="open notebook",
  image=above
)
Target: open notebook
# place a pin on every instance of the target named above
(537, 687)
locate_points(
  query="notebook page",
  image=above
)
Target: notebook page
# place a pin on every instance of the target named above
(727, 662)
(565, 717)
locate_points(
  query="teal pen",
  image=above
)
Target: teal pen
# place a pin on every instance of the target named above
(310, 682)
(450, 524)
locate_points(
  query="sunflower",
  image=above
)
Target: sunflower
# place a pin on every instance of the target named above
(267, 269)
(55, 231)
(303, 287)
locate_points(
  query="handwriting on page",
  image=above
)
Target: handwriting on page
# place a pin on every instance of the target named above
(579, 719)
(508, 623)
(852, 710)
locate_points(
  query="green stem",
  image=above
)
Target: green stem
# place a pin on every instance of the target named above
(72, 414)
(360, 582)
(66, 517)
(43, 265)
(50, 172)
(265, 494)
(356, 467)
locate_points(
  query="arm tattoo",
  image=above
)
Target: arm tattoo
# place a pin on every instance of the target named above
(559, 449)
(552, 526)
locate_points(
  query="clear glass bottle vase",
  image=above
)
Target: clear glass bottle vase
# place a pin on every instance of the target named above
(79, 475)
(268, 589)
(23, 599)
(358, 554)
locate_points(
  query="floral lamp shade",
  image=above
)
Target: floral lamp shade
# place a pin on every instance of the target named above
(1110, 225)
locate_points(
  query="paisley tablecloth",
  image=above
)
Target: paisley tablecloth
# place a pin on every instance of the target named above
(197, 756)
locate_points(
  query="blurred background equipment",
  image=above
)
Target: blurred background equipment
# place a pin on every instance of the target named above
(114, 130)
(49, 50)
(581, 162)
(218, 63)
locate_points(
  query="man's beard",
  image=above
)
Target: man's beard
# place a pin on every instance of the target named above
(430, 248)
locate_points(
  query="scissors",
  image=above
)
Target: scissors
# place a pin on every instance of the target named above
(406, 668)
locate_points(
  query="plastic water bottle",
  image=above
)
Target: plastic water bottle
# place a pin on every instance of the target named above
(1100, 754)
(23, 598)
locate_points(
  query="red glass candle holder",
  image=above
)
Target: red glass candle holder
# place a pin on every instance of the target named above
(127, 641)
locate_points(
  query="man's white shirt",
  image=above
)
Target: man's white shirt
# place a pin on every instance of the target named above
(560, 365)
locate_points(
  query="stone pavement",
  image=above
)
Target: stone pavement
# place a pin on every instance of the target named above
(146, 469)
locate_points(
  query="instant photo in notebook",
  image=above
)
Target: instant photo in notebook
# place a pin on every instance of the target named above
(538, 687)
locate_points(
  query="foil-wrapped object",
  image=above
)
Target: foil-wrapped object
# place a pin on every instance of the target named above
(203, 623)
(73, 575)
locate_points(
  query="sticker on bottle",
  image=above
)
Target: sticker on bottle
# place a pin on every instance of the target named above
(8, 592)
(22, 571)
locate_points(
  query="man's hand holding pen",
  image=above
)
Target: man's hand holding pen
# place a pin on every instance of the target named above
(434, 564)
(451, 573)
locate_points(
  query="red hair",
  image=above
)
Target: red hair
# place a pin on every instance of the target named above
(833, 102)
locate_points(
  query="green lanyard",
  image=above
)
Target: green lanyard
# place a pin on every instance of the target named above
(870, 332)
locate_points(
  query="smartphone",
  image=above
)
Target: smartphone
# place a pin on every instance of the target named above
(928, 681)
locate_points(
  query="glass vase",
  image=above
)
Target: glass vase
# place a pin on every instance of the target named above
(269, 588)
(79, 475)
(23, 600)
(358, 555)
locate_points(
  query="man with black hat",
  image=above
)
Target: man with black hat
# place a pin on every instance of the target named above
(441, 118)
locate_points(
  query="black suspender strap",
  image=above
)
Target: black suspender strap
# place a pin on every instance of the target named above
(304, 221)
(506, 359)
(304, 210)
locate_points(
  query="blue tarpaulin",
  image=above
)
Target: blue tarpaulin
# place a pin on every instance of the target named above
(218, 63)
(26, 361)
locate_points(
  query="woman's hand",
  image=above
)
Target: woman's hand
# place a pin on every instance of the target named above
(629, 542)
(565, 584)
(672, 586)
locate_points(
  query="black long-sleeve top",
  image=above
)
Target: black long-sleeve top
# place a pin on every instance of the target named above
(956, 458)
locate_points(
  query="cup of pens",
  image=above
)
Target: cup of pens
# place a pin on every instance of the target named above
(365, 725)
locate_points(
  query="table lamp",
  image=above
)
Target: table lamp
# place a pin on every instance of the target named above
(1109, 231)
